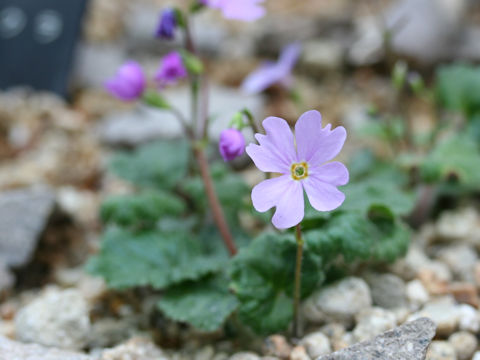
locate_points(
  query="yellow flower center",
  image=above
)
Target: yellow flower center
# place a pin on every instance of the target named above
(299, 171)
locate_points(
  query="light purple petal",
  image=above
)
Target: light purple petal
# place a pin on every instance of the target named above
(276, 152)
(262, 78)
(290, 206)
(314, 144)
(334, 173)
(284, 193)
(289, 56)
(322, 196)
(266, 194)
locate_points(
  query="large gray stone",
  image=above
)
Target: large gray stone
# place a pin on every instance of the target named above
(144, 124)
(407, 342)
(24, 214)
(12, 350)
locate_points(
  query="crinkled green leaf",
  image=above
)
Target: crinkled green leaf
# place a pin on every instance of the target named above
(160, 164)
(154, 258)
(262, 278)
(363, 195)
(205, 304)
(457, 159)
(355, 236)
(141, 210)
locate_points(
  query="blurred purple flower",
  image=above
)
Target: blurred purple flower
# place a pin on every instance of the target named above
(171, 69)
(303, 168)
(232, 144)
(128, 83)
(167, 24)
(271, 73)
(244, 10)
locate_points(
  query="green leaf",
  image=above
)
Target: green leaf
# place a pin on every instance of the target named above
(262, 278)
(142, 210)
(456, 158)
(160, 164)
(354, 236)
(193, 63)
(373, 193)
(205, 304)
(153, 98)
(458, 88)
(153, 258)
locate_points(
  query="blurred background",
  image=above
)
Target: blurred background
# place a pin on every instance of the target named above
(58, 126)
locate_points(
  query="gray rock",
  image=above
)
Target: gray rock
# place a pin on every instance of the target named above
(57, 318)
(144, 124)
(339, 302)
(426, 30)
(24, 214)
(12, 350)
(441, 350)
(406, 342)
(388, 290)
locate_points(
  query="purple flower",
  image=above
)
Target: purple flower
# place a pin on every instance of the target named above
(303, 168)
(244, 10)
(171, 69)
(271, 73)
(167, 24)
(128, 83)
(232, 144)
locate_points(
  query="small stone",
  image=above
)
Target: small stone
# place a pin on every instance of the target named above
(57, 318)
(316, 344)
(406, 342)
(372, 322)
(457, 225)
(441, 350)
(433, 280)
(462, 270)
(135, 348)
(12, 350)
(205, 353)
(463, 292)
(23, 216)
(299, 353)
(277, 345)
(417, 295)
(338, 302)
(443, 312)
(388, 290)
(469, 318)
(220, 356)
(245, 356)
(408, 267)
(464, 344)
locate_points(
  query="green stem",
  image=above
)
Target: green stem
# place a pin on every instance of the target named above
(298, 282)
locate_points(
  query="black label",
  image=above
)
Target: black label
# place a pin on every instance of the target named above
(37, 40)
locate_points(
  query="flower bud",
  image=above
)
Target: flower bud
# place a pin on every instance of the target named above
(232, 144)
(128, 83)
(167, 24)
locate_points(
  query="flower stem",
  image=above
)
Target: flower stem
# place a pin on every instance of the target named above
(217, 211)
(298, 281)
